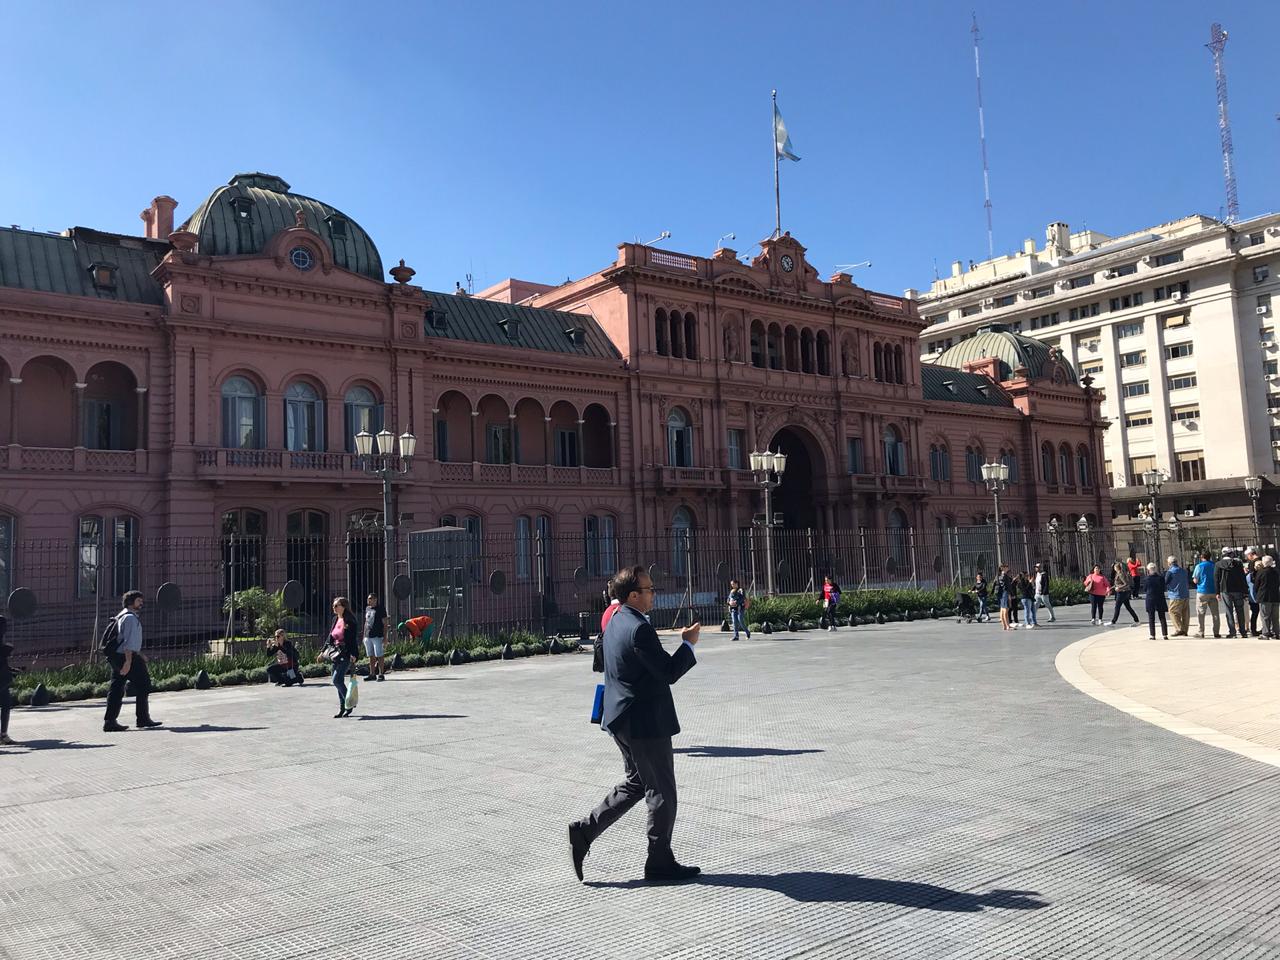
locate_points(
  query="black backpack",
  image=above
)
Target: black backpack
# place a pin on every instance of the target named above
(110, 641)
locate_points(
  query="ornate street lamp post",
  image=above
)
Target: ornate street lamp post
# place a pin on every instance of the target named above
(1086, 541)
(377, 457)
(1253, 486)
(1154, 480)
(997, 477)
(767, 468)
(1175, 532)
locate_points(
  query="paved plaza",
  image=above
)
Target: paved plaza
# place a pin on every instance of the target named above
(921, 790)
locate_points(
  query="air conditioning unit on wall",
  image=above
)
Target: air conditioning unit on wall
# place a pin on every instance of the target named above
(1262, 311)
(1188, 513)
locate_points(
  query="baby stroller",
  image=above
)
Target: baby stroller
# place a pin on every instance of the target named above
(966, 607)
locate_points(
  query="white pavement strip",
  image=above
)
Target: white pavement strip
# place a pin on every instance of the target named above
(1072, 670)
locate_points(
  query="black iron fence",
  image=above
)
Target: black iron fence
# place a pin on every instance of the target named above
(539, 583)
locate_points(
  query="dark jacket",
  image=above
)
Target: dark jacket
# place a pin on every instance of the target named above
(1027, 586)
(289, 651)
(1267, 585)
(350, 637)
(638, 675)
(1228, 576)
(1154, 593)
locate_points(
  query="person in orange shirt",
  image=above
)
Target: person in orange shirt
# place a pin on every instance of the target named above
(417, 627)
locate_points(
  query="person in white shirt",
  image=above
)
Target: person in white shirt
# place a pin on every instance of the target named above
(127, 665)
(1041, 582)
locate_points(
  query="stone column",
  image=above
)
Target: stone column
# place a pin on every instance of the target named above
(613, 444)
(77, 416)
(582, 450)
(14, 383)
(550, 457)
(140, 442)
(475, 445)
(435, 417)
(511, 423)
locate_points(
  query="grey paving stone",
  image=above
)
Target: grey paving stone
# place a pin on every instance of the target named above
(911, 790)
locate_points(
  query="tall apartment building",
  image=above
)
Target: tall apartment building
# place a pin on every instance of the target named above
(1174, 323)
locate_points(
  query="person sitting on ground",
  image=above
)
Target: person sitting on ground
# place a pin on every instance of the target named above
(284, 672)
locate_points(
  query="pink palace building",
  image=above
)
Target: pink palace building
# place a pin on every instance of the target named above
(206, 379)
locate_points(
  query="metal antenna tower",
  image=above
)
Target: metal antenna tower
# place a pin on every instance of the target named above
(1217, 42)
(982, 137)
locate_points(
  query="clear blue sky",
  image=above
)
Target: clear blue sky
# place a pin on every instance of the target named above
(527, 139)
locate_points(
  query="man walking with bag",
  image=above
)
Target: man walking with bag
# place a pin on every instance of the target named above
(128, 666)
(640, 715)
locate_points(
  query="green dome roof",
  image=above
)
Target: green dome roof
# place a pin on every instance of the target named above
(1013, 350)
(223, 231)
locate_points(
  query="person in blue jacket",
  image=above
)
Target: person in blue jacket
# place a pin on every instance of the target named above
(1177, 592)
(1206, 594)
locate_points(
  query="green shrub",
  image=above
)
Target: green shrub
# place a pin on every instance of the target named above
(179, 681)
(415, 661)
(232, 678)
(264, 612)
(436, 659)
(313, 670)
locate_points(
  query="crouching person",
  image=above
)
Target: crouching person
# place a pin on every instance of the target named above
(285, 671)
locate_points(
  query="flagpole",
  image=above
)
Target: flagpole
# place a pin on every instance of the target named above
(777, 193)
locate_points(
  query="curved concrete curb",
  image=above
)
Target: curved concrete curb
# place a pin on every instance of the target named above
(1072, 670)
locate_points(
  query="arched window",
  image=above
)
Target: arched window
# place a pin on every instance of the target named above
(679, 439)
(1046, 464)
(757, 344)
(690, 336)
(877, 361)
(895, 453)
(681, 541)
(303, 417)
(106, 555)
(806, 351)
(1010, 460)
(242, 415)
(791, 341)
(660, 331)
(898, 562)
(677, 334)
(361, 412)
(974, 458)
(939, 462)
(600, 544)
(897, 365)
(1065, 473)
(824, 354)
(1084, 468)
(774, 346)
(242, 559)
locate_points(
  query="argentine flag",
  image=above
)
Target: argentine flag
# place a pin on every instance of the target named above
(781, 140)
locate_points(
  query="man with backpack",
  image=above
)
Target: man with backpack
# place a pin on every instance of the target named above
(122, 645)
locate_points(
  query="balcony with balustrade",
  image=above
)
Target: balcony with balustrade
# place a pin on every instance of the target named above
(17, 458)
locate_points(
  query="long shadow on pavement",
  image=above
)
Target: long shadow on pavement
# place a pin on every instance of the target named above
(740, 752)
(810, 886)
(414, 716)
(59, 745)
(209, 728)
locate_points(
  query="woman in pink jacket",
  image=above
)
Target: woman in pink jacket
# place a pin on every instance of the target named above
(1098, 588)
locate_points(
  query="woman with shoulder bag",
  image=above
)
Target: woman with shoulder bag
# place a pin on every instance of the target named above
(341, 650)
(1122, 587)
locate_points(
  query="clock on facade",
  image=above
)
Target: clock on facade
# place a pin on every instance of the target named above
(787, 263)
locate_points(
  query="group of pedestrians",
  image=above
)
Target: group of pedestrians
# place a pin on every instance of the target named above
(1027, 591)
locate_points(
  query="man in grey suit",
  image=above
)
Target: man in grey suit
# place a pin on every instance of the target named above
(641, 717)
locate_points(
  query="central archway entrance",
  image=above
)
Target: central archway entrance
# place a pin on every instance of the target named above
(797, 496)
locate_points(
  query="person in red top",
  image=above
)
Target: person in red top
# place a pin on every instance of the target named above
(830, 603)
(1098, 587)
(610, 610)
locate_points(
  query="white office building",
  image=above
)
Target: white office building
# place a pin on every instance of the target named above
(1174, 323)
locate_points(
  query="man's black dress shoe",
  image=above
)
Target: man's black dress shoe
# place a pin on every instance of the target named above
(670, 873)
(579, 845)
(149, 724)
(113, 727)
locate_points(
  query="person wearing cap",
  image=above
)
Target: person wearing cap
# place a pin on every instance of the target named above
(1231, 586)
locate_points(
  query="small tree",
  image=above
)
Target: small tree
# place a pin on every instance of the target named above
(264, 612)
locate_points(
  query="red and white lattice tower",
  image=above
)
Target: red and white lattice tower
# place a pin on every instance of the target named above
(1217, 43)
